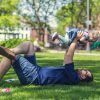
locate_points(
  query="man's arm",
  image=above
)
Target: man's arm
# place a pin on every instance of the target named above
(68, 58)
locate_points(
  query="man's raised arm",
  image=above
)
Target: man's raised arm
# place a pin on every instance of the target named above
(68, 58)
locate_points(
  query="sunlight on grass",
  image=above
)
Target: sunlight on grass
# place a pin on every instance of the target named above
(56, 92)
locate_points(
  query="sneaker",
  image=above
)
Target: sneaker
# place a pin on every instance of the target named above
(54, 36)
(7, 53)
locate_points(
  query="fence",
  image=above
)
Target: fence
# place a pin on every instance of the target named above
(4, 36)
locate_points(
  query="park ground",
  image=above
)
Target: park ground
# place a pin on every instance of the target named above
(84, 91)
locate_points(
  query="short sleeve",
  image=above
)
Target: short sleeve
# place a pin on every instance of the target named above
(71, 73)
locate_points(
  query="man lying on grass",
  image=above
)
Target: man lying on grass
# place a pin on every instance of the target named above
(30, 73)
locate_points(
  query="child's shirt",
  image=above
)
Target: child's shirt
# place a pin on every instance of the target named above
(71, 35)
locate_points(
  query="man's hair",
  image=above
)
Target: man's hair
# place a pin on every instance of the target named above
(88, 79)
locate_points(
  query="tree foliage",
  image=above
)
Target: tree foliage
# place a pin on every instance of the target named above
(74, 14)
(95, 12)
(71, 15)
(7, 18)
(35, 12)
(38, 13)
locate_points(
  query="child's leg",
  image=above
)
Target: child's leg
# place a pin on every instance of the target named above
(63, 40)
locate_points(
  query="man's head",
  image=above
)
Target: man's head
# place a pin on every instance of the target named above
(85, 75)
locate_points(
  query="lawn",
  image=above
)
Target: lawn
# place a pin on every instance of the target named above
(85, 91)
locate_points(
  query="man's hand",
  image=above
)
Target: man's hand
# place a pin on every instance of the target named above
(79, 35)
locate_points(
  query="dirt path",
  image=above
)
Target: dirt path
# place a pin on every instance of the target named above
(84, 53)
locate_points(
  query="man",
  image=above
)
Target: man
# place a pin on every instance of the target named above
(29, 72)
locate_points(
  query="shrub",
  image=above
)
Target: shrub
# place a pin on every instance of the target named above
(11, 43)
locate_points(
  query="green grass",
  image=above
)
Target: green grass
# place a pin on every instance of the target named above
(89, 91)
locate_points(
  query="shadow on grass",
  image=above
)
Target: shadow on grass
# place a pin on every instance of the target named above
(57, 92)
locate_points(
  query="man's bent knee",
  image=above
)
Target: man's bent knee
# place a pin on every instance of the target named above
(29, 42)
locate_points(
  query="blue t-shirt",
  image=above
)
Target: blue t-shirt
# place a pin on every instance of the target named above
(58, 75)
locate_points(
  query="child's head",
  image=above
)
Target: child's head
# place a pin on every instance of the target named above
(93, 35)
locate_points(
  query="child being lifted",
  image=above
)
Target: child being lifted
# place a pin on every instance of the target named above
(72, 33)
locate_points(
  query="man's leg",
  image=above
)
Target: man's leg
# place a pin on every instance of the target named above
(5, 65)
(26, 48)
(6, 53)
(26, 67)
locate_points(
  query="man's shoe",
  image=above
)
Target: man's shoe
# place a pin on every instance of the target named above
(7, 53)
(54, 36)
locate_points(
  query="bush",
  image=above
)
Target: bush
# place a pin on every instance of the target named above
(11, 43)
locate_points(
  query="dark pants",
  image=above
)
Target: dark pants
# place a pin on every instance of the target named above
(26, 69)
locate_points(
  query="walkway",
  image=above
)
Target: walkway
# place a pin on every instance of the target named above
(79, 53)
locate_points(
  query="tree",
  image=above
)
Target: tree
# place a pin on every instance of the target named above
(95, 13)
(7, 8)
(71, 15)
(74, 14)
(37, 13)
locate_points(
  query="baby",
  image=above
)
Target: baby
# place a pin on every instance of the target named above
(72, 33)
